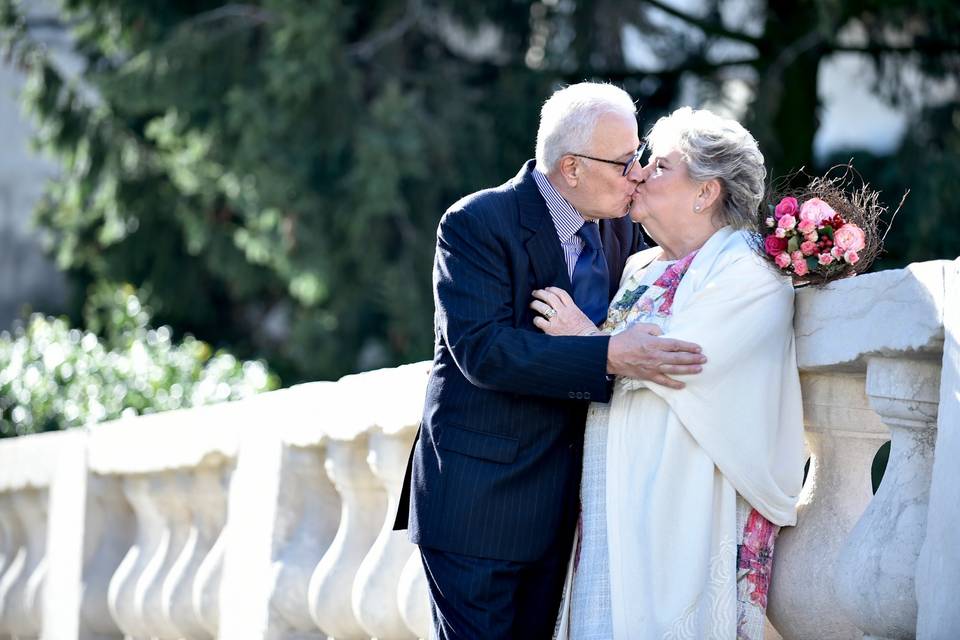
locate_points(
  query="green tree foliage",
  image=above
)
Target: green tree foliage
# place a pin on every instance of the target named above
(54, 377)
(273, 171)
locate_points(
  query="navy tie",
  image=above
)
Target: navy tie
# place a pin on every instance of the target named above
(591, 280)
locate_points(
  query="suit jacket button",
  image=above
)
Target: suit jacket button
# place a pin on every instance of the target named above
(579, 395)
(586, 395)
(572, 394)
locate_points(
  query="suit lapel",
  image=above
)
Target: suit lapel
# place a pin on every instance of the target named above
(543, 245)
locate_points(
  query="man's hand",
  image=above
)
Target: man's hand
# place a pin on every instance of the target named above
(639, 353)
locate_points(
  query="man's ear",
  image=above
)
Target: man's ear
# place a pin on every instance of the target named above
(570, 171)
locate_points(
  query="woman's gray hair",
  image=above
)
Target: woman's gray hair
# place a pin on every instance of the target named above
(570, 115)
(716, 147)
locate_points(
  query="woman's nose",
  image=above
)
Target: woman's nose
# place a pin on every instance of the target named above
(640, 173)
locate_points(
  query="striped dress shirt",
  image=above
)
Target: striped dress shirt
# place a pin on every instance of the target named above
(565, 218)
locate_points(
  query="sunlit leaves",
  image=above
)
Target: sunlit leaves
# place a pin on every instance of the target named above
(53, 376)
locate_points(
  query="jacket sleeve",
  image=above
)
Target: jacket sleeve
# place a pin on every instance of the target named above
(474, 298)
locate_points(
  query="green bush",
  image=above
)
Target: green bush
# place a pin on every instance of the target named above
(54, 377)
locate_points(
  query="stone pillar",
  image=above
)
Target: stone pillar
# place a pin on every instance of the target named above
(874, 573)
(843, 435)
(282, 517)
(938, 569)
(363, 507)
(376, 586)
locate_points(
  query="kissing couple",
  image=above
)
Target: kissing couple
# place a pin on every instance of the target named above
(612, 434)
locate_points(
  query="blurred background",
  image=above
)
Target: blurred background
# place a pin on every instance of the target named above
(200, 200)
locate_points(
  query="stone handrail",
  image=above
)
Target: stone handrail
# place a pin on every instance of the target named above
(270, 517)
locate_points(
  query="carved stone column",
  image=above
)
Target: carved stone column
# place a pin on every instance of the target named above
(412, 597)
(21, 586)
(127, 587)
(212, 516)
(306, 524)
(874, 574)
(196, 504)
(362, 511)
(378, 578)
(843, 435)
(939, 563)
(109, 533)
(12, 554)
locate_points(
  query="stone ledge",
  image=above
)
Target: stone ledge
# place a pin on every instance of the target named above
(884, 313)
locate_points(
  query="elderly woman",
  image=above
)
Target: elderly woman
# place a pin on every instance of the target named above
(684, 490)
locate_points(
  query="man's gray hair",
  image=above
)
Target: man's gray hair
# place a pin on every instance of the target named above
(716, 147)
(570, 115)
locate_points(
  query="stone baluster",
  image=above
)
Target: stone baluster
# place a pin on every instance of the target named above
(375, 590)
(211, 516)
(13, 558)
(9, 540)
(21, 587)
(362, 511)
(843, 435)
(109, 533)
(192, 506)
(306, 524)
(412, 596)
(7, 552)
(167, 502)
(126, 594)
(874, 573)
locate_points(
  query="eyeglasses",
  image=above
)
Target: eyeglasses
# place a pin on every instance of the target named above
(627, 166)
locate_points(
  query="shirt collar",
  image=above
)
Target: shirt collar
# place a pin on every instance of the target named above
(566, 219)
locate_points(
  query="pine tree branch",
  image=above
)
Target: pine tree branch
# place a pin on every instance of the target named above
(708, 27)
(877, 48)
(252, 13)
(621, 74)
(366, 48)
(36, 23)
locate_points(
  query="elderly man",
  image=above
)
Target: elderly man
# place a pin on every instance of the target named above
(492, 485)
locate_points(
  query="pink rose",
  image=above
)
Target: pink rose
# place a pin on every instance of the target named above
(800, 267)
(787, 222)
(849, 237)
(836, 252)
(816, 211)
(811, 237)
(825, 258)
(774, 245)
(780, 233)
(787, 207)
(808, 248)
(806, 226)
(796, 256)
(851, 257)
(783, 260)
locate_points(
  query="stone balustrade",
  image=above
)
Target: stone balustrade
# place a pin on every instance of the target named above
(271, 517)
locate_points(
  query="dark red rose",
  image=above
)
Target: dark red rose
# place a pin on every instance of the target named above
(774, 245)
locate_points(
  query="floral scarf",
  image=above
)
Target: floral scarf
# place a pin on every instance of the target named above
(640, 302)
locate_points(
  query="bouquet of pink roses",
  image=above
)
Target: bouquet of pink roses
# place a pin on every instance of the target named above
(824, 231)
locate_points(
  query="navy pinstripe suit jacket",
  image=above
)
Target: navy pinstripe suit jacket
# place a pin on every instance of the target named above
(496, 466)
